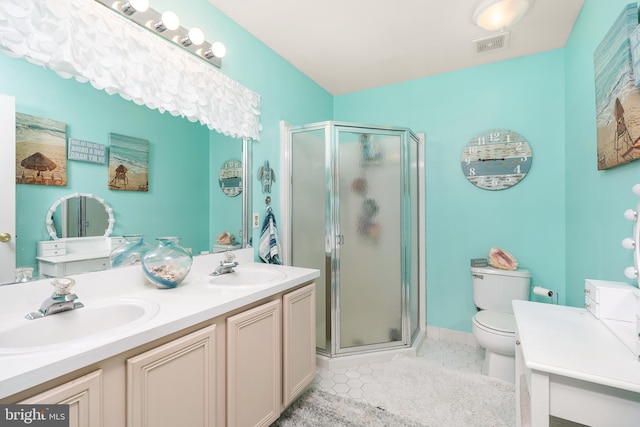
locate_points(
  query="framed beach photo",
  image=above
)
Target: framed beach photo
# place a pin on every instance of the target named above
(41, 155)
(128, 163)
(617, 93)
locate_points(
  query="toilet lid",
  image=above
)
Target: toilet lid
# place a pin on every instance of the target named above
(503, 322)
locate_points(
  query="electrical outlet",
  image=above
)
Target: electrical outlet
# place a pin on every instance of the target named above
(256, 220)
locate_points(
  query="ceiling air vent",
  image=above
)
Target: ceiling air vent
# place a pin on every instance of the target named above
(493, 43)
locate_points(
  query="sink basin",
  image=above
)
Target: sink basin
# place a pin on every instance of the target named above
(95, 320)
(248, 276)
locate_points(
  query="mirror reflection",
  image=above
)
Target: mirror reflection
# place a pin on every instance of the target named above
(79, 215)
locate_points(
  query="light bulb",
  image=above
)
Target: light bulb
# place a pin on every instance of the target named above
(631, 272)
(170, 20)
(630, 214)
(628, 243)
(132, 6)
(218, 49)
(196, 36)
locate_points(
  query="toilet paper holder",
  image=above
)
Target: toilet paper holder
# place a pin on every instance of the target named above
(544, 292)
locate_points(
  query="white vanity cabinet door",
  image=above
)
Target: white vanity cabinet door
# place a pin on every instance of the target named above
(253, 366)
(298, 342)
(83, 395)
(174, 384)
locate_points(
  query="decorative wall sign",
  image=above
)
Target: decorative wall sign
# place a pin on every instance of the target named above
(128, 163)
(85, 151)
(230, 177)
(496, 159)
(40, 151)
(617, 96)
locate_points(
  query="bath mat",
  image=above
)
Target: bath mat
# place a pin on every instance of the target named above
(317, 408)
(434, 396)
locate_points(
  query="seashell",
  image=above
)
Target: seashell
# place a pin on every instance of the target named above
(499, 258)
(225, 238)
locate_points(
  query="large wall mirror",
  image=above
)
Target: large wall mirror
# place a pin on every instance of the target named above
(184, 160)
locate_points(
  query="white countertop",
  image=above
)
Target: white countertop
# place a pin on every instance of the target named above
(571, 342)
(193, 301)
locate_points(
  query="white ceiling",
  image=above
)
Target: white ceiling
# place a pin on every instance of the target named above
(351, 45)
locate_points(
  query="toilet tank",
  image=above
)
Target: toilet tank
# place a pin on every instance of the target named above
(494, 289)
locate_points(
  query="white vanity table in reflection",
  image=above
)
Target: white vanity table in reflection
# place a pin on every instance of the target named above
(571, 366)
(62, 257)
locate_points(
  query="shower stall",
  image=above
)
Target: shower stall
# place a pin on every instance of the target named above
(353, 212)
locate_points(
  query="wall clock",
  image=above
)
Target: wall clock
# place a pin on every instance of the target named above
(496, 159)
(230, 177)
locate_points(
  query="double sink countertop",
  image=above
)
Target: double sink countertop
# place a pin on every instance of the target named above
(199, 298)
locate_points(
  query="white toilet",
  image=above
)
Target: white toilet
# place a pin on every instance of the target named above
(494, 325)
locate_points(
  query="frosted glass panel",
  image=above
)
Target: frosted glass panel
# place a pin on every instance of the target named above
(308, 228)
(370, 232)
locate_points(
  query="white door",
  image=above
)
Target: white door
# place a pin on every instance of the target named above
(7, 188)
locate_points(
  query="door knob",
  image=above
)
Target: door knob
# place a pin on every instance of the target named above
(5, 237)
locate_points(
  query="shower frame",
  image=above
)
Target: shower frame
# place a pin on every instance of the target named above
(413, 330)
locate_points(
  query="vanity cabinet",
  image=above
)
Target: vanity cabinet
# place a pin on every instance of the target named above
(238, 369)
(253, 366)
(83, 395)
(174, 384)
(271, 357)
(298, 342)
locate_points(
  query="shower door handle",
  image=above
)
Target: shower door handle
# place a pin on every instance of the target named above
(340, 239)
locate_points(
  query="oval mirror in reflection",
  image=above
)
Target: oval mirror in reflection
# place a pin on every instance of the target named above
(79, 215)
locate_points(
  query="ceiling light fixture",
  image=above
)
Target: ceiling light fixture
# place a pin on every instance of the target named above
(495, 15)
(168, 21)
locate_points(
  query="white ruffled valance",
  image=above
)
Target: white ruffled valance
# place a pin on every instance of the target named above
(87, 41)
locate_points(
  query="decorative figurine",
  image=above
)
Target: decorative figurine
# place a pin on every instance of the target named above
(266, 175)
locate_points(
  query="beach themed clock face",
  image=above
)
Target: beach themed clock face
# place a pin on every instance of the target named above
(496, 159)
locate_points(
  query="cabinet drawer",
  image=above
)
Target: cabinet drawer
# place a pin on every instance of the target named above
(592, 306)
(591, 291)
(86, 265)
(52, 248)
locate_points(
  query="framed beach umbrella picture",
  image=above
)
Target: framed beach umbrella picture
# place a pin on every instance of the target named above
(41, 155)
(128, 163)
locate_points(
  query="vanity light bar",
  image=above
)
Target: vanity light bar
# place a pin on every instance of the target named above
(167, 25)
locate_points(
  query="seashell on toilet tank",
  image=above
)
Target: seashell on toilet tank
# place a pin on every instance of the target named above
(499, 258)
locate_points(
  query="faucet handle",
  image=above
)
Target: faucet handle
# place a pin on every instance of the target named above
(62, 285)
(229, 256)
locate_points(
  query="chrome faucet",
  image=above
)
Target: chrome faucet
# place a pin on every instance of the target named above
(227, 265)
(61, 299)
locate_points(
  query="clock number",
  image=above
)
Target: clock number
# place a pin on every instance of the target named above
(508, 137)
(481, 140)
(517, 169)
(494, 136)
(519, 146)
(467, 160)
(473, 149)
(472, 171)
(524, 159)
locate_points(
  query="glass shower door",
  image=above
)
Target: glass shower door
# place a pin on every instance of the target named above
(369, 217)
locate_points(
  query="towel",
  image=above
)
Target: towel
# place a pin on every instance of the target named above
(269, 244)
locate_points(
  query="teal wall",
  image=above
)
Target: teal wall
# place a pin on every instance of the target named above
(463, 222)
(563, 221)
(596, 200)
(185, 158)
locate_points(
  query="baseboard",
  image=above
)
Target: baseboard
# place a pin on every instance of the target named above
(451, 335)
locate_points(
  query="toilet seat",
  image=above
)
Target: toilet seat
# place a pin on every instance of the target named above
(496, 322)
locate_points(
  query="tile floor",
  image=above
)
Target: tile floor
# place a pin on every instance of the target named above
(348, 382)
